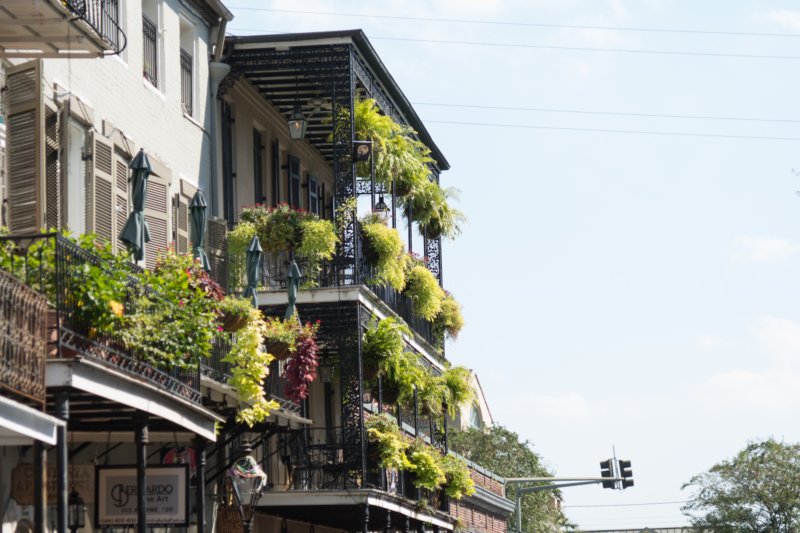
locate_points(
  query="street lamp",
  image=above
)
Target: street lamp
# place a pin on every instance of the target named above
(77, 511)
(247, 480)
(297, 123)
(380, 208)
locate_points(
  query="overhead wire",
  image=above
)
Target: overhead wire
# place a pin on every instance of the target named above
(517, 23)
(626, 504)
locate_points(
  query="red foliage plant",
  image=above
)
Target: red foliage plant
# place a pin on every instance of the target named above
(301, 369)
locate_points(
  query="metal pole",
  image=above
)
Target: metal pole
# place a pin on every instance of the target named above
(200, 482)
(142, 437)
(39, 486)
(519, 512)
(62, 458)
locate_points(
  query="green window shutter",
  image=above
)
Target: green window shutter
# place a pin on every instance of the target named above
(24, 148)
(100, 202)
(216, 236)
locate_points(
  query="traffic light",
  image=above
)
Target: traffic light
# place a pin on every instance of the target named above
(607, 470)
(626, 473)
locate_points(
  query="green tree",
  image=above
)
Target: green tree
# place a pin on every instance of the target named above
(758, 490)
(501, 451)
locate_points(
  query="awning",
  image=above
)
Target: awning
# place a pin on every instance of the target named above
(21, 425)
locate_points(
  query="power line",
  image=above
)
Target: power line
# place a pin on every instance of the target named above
(611, 113)
(601, 130)
(626, 504)
(526, 24)
(568, 48)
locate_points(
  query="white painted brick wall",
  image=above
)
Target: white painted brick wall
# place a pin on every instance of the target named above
(153, 118)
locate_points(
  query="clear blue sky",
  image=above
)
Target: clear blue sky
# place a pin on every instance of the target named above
(627, 289)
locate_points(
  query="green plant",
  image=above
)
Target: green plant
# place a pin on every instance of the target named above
(281, 336)
(425, 293)
(385, 250)
(449, 321)
(431, 394)
(430, 208)
(391, 444)
(249, 367)
(402, 373)
(458, 481)
(318, 244)
(175, 319)
(426, 464)
(459, 391)
(234, 312)
(381, 339)
(238, 240)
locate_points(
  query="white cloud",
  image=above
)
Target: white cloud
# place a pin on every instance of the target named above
(569, 405)
(763, 249)
(785, 18)
(769, 388)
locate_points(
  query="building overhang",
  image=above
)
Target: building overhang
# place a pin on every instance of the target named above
(21, 424)
(57, 28)
(344, 509)
(489, 502)
(104, 399)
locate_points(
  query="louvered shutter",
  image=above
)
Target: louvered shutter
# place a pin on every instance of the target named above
(121, 206)
(216, 237)
(182, 200)
(100, 201)
(54, 184)
(24, 145)
(156, 212)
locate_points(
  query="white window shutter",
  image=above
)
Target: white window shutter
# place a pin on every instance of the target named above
(24, 148)
(122, 207)
(100, 201)
(183, 198)
(216, 237)
(157, 207)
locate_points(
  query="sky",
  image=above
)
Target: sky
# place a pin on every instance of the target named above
(633, 288)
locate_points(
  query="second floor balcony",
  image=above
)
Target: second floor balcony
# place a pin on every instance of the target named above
(60, 28)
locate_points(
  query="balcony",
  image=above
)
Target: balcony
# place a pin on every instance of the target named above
(60, 28)
(50, 265)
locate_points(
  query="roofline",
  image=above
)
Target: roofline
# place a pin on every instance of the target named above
(360, 40)
(220, 9)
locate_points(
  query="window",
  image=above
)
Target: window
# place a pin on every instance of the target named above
(77, 140)
(150, 40)
(258, 167)
(313, 195)
(228, 169)
(294, 182)
(187, 67)
(475, 418)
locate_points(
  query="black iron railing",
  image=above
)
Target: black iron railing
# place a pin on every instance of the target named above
(150, 51)
(187, 81)
(103, 16)
(23, 340)
(53, 266)
(216, 368)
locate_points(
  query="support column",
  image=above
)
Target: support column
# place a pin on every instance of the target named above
(200, 482)
(62, 458)
(365, 519)
(142, 438)
(39, 486)
(388, 527)
(407, 525)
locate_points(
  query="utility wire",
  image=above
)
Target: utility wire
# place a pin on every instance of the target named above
(569, 48)
(601, 130)
(611, 113)
(626, 504)
(525, 24)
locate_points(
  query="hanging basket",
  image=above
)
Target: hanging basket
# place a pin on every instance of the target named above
(370, 254)
(233, 322)
(279, 350)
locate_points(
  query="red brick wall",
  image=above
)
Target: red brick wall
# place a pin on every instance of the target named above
(488, 483)
(474, 519)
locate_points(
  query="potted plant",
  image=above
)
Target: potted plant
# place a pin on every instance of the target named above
(459, 391)
(449, 321)
(430, 208)
(381, 339)
(426, 465)
(400, 374)
(301, 369)
(458, 482)
(281, 337)
(385, 252)
(234, 312)
(387, 441)
(424, 290)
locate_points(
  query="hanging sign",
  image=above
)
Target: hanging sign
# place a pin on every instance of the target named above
(166, 493)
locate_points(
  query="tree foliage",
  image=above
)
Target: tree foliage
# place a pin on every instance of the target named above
(501, 451)
(758, 490)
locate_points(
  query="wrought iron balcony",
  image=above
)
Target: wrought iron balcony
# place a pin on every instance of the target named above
(48, 264)
(61, 28)
(23, 339)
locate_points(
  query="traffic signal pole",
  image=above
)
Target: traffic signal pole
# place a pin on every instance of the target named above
(553, 483)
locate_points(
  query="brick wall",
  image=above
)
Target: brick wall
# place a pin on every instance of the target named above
(488, 482)
(476, 520)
